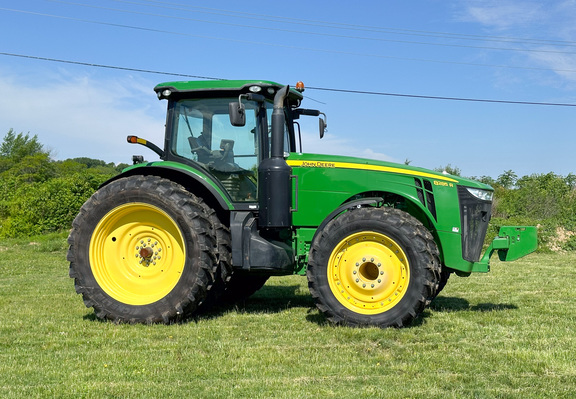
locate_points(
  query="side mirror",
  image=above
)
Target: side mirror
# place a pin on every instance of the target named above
(237, 113)
(322, 124)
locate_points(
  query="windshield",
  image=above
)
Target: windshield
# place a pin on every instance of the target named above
(202, 132)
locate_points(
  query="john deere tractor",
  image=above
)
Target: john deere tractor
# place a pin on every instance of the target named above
(234, 200)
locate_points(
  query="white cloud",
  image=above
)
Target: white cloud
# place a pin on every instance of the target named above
(338, 146)
(89, 117)
(504, 14)
(82, 116)
(543, 25)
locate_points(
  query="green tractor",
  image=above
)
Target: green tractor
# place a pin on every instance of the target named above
(234, 200)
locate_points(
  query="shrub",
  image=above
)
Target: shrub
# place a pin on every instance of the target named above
(49, 206)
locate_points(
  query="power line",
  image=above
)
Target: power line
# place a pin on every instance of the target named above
(89, 64)
(309, 87)
(268, 29)
(442, 98)
(292, 47)
(336, 25)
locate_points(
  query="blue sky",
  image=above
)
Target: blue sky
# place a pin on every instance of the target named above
(500, 50)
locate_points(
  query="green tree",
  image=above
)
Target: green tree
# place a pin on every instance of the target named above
(451, 170)
(17, 146)
(507, 179)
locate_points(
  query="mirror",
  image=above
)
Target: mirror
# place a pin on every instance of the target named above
(322, 124)
(237, 113)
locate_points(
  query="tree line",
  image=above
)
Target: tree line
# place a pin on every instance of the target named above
(40, 195)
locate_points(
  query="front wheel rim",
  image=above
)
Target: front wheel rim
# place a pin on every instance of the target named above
(368, 273)
(137, 254)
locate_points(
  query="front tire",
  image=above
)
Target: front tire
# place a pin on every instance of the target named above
(373, 267)
(142, 250)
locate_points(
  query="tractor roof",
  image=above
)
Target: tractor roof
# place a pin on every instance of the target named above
(232, 87)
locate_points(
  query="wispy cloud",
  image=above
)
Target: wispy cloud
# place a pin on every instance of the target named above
(91, 117)
(505, 14)
(338, 146)
(551, 23)
(81, 116)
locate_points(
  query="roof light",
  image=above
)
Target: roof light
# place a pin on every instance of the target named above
(166, 93)
(255, 89)
(300, 86)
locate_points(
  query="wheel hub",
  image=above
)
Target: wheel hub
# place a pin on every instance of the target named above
(148, 253)
(368, 272)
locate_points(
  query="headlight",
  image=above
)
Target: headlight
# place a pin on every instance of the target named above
(484, 195)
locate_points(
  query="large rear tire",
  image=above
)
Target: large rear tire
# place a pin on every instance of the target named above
(143, 250)
(373, 267)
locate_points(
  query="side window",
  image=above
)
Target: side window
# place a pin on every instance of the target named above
(243, 140)
(189, 124)
(202, 132)
(287, 148)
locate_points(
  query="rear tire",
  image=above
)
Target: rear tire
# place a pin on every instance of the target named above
(373, 267)
(142, 250)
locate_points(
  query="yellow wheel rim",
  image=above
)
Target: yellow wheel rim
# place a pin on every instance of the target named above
(137, 254)
(368, 273)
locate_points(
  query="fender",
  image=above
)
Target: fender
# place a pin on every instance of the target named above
(345, 207)
(181, 174)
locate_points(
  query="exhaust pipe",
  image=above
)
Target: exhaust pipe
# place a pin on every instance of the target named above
(274, 185)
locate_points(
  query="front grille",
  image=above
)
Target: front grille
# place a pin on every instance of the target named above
(474, 216)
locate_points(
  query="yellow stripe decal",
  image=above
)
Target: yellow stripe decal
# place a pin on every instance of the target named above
(349, 165)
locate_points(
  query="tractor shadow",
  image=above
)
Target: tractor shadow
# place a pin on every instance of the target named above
(276, 299)
(268, 299)
(279, 298)
(454, 304)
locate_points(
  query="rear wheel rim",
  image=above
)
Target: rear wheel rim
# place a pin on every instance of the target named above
(137, 253)
(368, 273)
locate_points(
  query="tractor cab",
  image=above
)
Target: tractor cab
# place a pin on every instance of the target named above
(226, 131)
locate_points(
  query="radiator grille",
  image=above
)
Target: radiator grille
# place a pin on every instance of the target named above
(474, 216)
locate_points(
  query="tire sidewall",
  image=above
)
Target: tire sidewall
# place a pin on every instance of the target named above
(172, 305)
(390, 223)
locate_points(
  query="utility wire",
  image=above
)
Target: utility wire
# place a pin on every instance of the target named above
(442, 98)
(336, 25)
(289, 46)
(89, 64)
(309, 87)
(271, 29)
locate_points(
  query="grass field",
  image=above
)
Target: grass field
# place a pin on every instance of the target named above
(506, 334)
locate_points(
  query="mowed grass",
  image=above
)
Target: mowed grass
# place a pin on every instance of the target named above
(506, 334)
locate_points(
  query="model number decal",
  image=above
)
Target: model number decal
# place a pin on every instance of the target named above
(443, 183)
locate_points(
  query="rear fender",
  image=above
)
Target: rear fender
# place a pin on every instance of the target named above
(198, 183)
